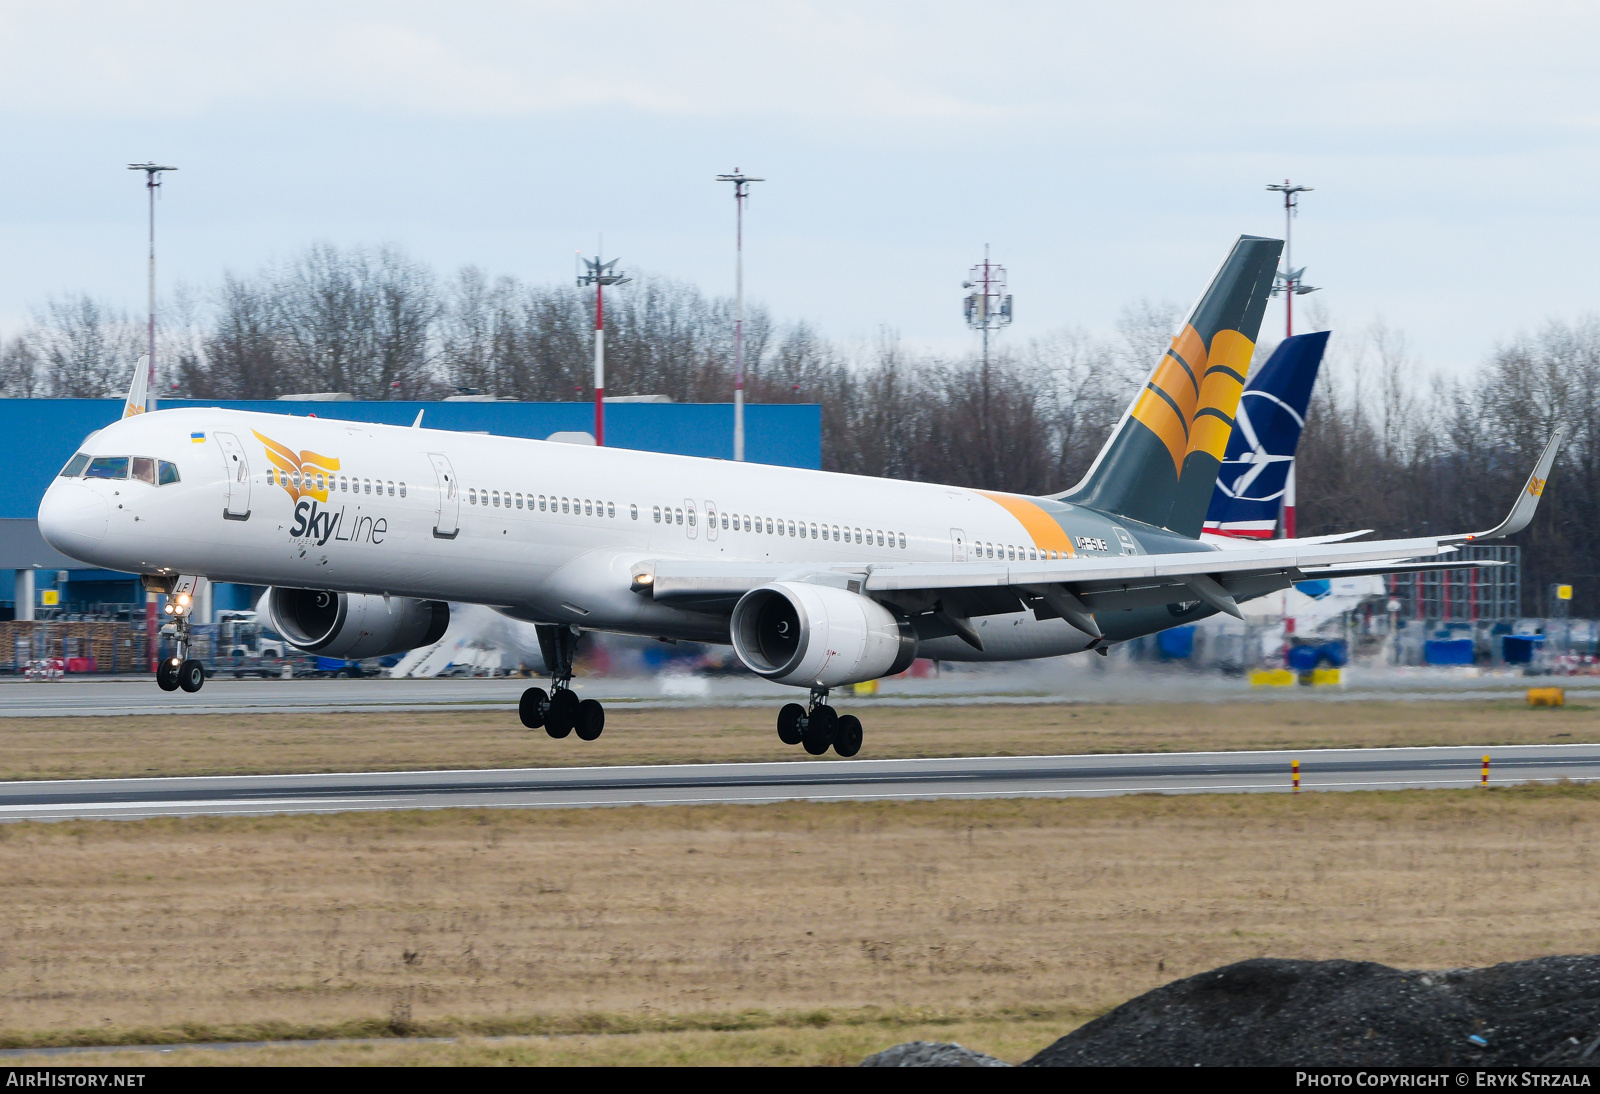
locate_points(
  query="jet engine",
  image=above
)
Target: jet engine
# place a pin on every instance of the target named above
(354, 625)
(794, 632)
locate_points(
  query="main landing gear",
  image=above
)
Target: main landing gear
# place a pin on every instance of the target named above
(181, 671)
(560, 711)
(820, 727)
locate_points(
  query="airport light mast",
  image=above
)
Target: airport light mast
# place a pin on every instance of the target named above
(152, 181)
(600, 274)
(1289, 283)
(1288, 280)
(741, 192)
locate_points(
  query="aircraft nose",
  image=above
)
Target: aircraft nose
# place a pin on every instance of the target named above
(72, 518)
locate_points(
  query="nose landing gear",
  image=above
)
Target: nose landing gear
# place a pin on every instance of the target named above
(560, 711)
(819, 727)
(181, 671)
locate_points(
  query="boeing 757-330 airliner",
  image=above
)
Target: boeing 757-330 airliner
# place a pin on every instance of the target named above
(819, 580)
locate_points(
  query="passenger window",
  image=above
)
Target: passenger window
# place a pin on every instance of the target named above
(633, 512)
(391, 485)
(169, 473)
(366, 486)
(472, 495)
(780, 527)
(691, 518)
(880, 537)
(566, 505)
(747, 523)
(75, 466)
(495, 496)
(611, 510)
(144, 469)
(679, 513)
(519, 501)
(588, 507)
(902, 541)
(402, 490)
(724, 521)
(541, 503)
(657, 512)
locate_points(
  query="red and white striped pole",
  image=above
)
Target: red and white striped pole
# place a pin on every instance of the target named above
(600, 274)
(599, 361)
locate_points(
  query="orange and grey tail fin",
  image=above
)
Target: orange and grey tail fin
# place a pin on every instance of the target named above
(1160, 465)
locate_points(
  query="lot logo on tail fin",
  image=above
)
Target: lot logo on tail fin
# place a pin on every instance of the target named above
(1254, 476)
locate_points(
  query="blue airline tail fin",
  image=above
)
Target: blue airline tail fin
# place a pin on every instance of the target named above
(1272, 411)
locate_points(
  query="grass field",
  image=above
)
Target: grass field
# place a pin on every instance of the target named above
(89, 747)
(778, 934)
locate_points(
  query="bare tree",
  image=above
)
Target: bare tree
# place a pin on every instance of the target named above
(87, 348)
(19, 369)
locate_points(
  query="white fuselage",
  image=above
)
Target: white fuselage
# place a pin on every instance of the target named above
(544, 531)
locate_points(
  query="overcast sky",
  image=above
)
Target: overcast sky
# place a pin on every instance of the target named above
(1106, 152)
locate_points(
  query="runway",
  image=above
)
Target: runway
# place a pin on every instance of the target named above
(814, 780)
(1059, 681)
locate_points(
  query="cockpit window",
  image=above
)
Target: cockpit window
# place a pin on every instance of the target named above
(107, 467)
(169, 473)
(75, 466)
(144, 469)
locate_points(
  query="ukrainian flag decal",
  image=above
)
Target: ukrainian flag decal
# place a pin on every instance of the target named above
(197, 438)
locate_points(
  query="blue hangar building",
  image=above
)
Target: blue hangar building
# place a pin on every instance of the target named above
(42, 434)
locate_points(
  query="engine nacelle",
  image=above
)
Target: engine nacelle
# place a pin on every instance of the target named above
(354, 625)
(809, 635)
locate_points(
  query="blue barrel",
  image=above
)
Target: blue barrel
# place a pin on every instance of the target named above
(1447, 651)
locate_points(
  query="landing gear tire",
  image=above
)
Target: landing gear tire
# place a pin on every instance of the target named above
(847, 736)
(790, 720)
(591, 719)
(562, 717)
(191, 675)
(532, 706)
(819, 730)
(167, 674)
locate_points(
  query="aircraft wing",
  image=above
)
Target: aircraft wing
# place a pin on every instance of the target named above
(1072, 588)
(1075, 589)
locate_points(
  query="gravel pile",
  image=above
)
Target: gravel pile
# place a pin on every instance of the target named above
(931, 1054)
(1269, 1012)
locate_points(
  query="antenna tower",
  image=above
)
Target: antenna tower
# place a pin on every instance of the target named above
(600, 274)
